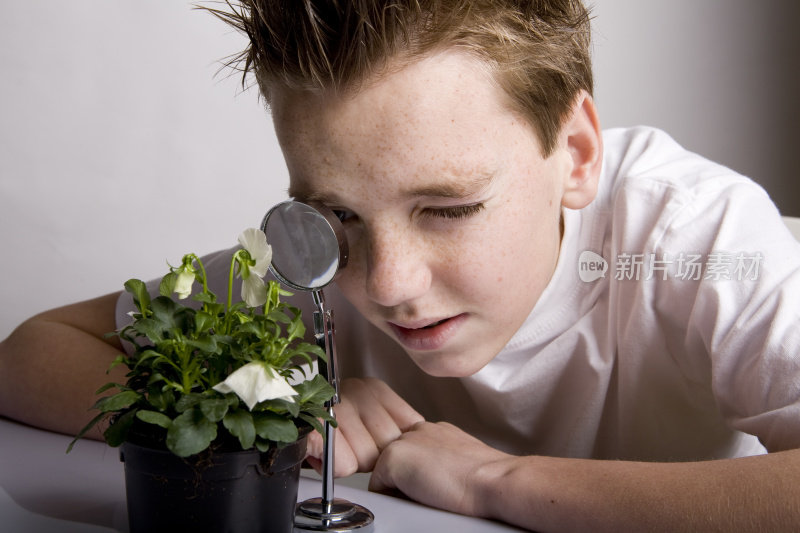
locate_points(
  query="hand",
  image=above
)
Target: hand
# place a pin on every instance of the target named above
(441, 466)
(370, 416)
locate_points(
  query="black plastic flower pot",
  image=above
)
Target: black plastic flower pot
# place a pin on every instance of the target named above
(234, 492)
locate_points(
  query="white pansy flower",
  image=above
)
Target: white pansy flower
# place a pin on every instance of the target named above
(256, 382)
(254, 293)
(183, 283)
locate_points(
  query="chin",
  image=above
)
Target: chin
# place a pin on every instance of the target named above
(446, 366)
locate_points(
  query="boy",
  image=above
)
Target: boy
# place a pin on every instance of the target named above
(604, 322)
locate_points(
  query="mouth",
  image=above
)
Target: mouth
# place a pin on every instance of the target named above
(433, 325)
(427, 335)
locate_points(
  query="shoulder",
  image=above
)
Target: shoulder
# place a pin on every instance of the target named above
(653, 187)
(649, 160)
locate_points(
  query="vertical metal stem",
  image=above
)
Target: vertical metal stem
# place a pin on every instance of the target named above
(327, 467)
(323, 334)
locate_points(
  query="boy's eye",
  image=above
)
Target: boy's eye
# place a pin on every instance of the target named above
(342, 214)
(455, 212)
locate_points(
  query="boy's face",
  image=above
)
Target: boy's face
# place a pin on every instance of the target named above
(451, 213)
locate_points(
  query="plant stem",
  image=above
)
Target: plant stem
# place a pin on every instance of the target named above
(205, 279)
(234, 258)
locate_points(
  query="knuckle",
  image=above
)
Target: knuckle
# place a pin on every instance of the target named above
(366, 463)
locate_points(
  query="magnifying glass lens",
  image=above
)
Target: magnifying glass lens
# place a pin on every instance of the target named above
(308, 245)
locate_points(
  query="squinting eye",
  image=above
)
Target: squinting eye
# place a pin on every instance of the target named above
(342, 214)
(456, 212)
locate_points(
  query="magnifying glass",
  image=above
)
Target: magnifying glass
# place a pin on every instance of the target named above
(308, 249)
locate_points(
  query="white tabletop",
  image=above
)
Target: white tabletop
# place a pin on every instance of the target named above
(44, 490)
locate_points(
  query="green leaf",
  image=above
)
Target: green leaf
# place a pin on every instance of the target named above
(283, 292)
(280, 406)
(276, 315)
(315, 391)
(306, 350)
(319, 413)
(296, 329)
(117, 402)
(105, 387)
(145, 355)
(241, 317)
(314, 422)
(214, 409)
(153, 417)
(151, 328)
(118, 360)
(140, 295)
(85, 429)
(252, 327)
(274, 427)
(167, 285)
(190, 433)
(203, 321)
(188, 401)
(240, 424)
(165, 310)
(160, 400)
(117, 432)
(206, 344)
(206, 298)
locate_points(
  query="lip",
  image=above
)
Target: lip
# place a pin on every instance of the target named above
(416, 336)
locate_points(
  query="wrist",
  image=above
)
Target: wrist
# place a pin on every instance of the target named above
(491, 486)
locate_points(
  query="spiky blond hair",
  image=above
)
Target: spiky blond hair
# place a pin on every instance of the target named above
(538, 50)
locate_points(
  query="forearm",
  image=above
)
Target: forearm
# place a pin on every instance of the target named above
(550, 494)
(52, 364)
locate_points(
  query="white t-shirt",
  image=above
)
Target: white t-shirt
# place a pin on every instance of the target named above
(685, 348)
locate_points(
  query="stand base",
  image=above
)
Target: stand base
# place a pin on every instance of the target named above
(340, 516)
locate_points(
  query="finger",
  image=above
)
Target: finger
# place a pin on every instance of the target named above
(381, 480)
(356, 438)
(400, 411)
(314, 445)
(371, 416)
(375, 419)
(315, 463)
(345, 463)
(369, 409)
(399, 463)
(385, 415)
(346, 459)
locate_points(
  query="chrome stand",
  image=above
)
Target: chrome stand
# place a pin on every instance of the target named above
(329, 513)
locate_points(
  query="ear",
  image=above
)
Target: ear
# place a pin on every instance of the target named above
(582, 138)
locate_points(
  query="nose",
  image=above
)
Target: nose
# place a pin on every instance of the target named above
(398, 267)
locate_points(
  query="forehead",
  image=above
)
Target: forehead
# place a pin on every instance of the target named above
(443, 115)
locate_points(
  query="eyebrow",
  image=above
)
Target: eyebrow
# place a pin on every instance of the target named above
(454, 188)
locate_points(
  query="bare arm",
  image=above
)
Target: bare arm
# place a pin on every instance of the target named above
(52, 364)
(440, 465)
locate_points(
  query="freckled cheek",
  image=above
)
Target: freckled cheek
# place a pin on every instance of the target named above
(494, 260)
(450, 260)
(351, 279)
(469, 259)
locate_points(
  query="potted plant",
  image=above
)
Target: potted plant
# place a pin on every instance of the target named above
(213, 417)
